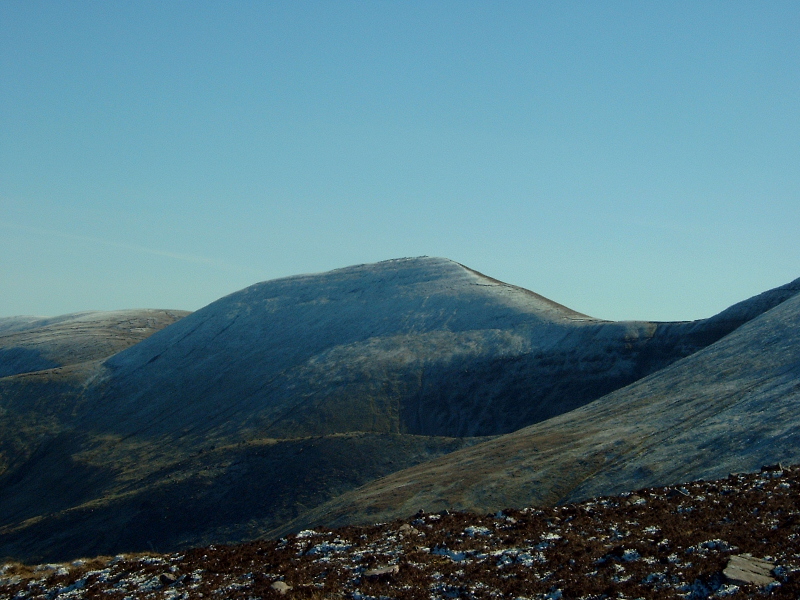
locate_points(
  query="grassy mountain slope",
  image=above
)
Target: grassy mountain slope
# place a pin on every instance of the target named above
(733, 406)
(46, 365)
(229, 493)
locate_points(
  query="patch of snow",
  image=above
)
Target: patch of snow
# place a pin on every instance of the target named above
(630, 555)
(451, 554)
(472, 531)
(651, 530)
(326, 548)
(306, 533)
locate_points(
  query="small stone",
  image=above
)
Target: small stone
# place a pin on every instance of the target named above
(281, 587)
(382, 571)
(406, 529)
(167, 579)
(744, 569)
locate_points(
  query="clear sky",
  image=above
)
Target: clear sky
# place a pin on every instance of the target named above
(632, 160)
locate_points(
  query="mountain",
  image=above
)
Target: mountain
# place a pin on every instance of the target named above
(251, 414)
(419, 346)
(730, 407)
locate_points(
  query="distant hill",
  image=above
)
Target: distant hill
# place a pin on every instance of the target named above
(46, 366)
(251, 414)
(29, 344)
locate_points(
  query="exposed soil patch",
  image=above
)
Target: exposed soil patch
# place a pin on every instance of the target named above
(672, 542)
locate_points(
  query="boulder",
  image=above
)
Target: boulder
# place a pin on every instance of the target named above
(745, 569)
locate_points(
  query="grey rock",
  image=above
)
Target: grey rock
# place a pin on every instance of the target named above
(382, 571)
(744, 569)
(406, 529)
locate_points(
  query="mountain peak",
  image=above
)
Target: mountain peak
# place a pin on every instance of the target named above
(391, 284)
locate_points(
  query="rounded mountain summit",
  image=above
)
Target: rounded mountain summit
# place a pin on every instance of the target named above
(421, 346)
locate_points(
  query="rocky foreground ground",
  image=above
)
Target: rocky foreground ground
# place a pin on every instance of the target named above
(732, 538)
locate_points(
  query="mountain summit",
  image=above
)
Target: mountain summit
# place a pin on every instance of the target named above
(421, 346)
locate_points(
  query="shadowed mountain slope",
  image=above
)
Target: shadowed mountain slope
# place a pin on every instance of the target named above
(268, 403)
(731, 407)
(46, 364)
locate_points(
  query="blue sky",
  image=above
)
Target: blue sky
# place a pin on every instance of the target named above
(632, 160)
